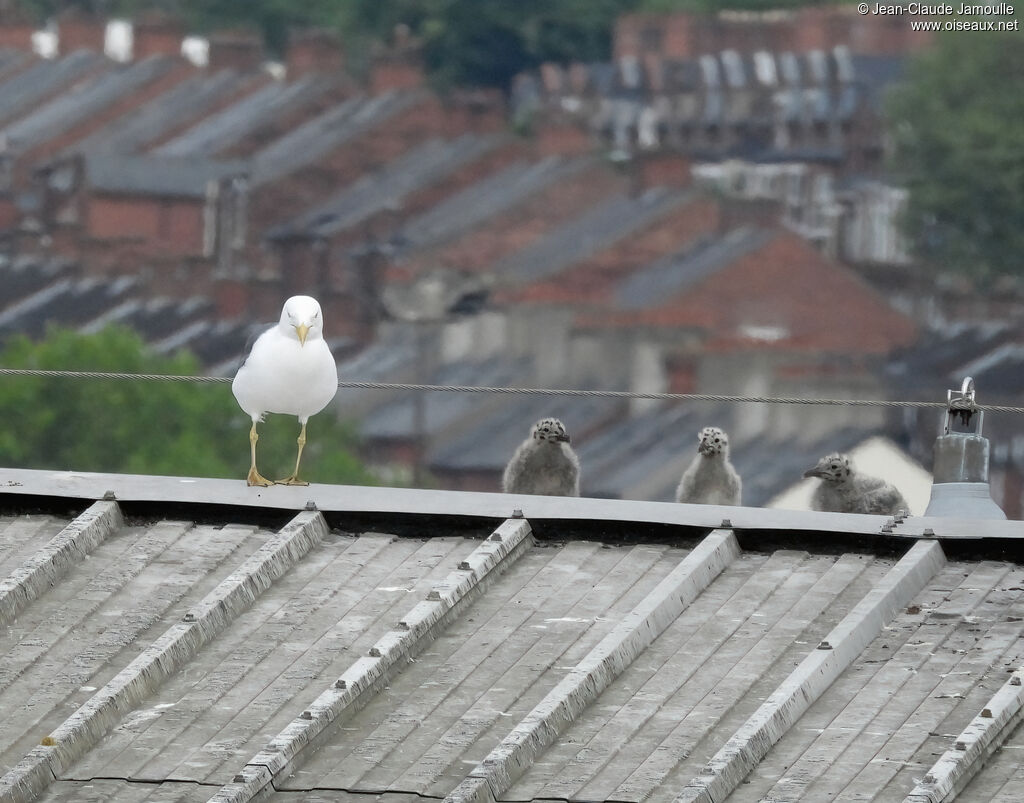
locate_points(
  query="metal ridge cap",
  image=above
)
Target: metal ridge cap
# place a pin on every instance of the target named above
(347, 499)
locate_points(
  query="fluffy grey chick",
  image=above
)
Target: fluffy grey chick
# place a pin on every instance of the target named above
(711, 478)
(843, 490)
(544, 463)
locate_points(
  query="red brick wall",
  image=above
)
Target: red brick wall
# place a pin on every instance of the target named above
(78, 31)
(239, 51)
(168, 226)
(17, 36)
(156, 35)
(314, 51)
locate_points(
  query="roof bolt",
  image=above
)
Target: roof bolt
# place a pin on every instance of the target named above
(434, 595)
(190, 617)
(929, 779)
(464, 566)
(374, 652)
(306, 715)
(311, 505)
(928, 532)
(1015, 680)
(986, 713)
(340, 684)
(726, 524)
(824, 646)
(109, 496)
(960, 745)
(887, 527)
(495, 537)
(403, 625)
(517, 513)
(238, 779)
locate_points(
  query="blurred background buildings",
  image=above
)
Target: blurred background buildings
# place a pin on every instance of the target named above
(708, 211)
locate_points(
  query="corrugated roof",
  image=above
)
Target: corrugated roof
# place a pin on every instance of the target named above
(223, 659)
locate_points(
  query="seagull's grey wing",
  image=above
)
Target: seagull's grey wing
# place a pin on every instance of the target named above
(255, 331)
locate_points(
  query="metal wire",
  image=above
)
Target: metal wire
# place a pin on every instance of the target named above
(611, 394)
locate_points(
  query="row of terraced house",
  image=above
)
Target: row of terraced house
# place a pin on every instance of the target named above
(705, 212)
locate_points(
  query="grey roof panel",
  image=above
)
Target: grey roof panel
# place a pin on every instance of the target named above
(223, 129)
(157, 175)
(486, 198)
(366, 196)
(594, 230)
(316, 138)
(670, 275)
(187, 100)
(42, 79)
(638, 670)
(396, 418)
(68, 109)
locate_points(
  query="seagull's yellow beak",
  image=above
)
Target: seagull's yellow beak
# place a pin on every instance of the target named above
(302, 330)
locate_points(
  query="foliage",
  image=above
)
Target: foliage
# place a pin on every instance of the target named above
(154, 427)
(465, 42)
(957, 128)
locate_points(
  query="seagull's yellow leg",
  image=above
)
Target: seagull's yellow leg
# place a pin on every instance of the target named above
(255, 478)
(294, 478)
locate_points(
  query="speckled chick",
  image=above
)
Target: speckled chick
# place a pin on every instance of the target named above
(544, 463)
(844, 490)
(711, 479)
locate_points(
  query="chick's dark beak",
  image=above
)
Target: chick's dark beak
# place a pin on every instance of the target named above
(813, 472)
(563, 438)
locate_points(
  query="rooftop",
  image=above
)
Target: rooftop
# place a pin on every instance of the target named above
(193, 639)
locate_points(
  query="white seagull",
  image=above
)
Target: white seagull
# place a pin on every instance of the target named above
(289, 370)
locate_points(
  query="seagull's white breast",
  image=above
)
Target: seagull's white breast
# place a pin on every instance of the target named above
(282, 376)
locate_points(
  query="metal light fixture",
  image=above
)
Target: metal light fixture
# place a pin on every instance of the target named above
(960, 487)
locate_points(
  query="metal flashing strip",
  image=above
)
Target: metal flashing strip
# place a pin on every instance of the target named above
(389, 655)
(79, 732)
(495, 775)
(985, 733)
(741, 753)
(398, 501)
(80, 537)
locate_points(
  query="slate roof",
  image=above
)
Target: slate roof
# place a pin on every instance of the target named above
(181, 176)
(68, 109)
(372, 193)
(30, 86)
(190, 99)
(590, 650)
(221, 130)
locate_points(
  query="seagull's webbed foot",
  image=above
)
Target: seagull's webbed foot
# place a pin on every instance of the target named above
(255, 478)
(292, 480)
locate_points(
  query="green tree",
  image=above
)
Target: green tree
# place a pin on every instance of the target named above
(957, 127)
(147, 427)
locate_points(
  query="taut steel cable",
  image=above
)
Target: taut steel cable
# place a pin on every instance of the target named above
(610, 394)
